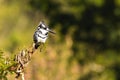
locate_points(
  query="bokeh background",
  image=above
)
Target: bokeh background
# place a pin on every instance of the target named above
(86, 45)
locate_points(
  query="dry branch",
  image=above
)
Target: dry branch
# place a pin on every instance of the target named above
(21, 59)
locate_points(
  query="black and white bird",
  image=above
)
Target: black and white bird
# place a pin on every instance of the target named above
(41, 34)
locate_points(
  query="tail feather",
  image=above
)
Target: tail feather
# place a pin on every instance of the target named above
(36, 46)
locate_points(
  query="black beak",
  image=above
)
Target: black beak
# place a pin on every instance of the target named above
(52, 32)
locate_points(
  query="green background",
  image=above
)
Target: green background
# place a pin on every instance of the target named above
(86, 45)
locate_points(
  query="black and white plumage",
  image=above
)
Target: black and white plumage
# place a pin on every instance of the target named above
(41, 34)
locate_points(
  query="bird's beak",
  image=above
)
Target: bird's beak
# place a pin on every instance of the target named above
(51, 31)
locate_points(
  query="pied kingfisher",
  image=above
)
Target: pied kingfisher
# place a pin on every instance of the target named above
(41, 34)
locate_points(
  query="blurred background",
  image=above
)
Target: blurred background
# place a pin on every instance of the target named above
(87, 41)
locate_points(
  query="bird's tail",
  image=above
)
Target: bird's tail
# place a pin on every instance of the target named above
(36, 46)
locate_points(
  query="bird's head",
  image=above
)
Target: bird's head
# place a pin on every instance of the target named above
(44, 28)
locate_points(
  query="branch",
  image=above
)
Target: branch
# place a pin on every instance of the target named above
(22, 59)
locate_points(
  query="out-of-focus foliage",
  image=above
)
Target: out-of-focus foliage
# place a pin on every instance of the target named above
(5, 63)
(87, 43)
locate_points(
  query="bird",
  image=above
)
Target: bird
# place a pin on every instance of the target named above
(41, 34)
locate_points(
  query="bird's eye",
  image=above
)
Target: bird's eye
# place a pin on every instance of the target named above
(40, 26)
(45, 28)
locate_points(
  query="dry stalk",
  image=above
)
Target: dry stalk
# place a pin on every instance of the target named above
(22, 59)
